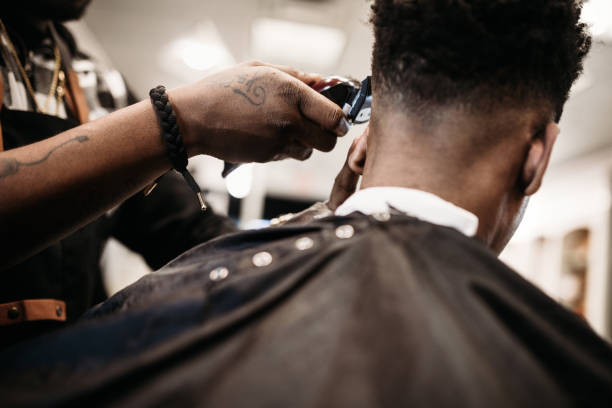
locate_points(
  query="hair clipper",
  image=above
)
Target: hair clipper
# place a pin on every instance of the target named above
(353, 97)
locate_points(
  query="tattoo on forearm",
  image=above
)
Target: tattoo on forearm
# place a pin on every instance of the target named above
(10, 166)
(250, 89)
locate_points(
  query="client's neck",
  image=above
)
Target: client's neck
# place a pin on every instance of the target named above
(440, 160)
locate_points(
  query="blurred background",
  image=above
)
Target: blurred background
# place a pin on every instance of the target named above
(564, 245)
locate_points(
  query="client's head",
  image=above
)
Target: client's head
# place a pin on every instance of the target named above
(467, 94)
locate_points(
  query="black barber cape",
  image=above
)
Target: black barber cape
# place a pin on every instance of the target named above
(342, 312)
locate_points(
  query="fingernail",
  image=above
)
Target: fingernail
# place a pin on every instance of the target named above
(343, 127)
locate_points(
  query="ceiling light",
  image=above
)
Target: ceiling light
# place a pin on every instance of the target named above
(202, 56)
(200, 49)
(292, 43)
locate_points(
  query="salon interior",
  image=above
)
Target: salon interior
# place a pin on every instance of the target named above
(564, 245)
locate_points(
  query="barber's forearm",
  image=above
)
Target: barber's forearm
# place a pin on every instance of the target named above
(251, 112)
(53, 187)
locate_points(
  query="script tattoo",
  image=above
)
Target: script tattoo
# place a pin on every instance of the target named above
(10, 166)
(249, 88)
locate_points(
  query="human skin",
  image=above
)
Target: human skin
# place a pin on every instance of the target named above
(252, 112)
(488, 164)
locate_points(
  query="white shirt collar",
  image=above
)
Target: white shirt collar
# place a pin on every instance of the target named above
(416, 203)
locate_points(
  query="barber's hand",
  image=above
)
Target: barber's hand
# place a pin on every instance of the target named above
(257, 112)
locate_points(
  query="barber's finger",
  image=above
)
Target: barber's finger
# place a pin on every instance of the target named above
(312, 135)
(322, 111)
(297, 151)
(307, 78)
(344, 186)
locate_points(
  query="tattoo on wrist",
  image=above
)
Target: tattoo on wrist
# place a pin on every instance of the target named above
(250, 88)
(10, 165)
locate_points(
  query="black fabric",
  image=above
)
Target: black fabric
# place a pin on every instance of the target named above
(167, 222)
(404, 313)
(159, 227)
(67, 270)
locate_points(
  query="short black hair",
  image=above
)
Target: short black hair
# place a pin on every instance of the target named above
(478, 53)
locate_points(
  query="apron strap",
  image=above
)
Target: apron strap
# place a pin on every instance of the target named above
(75, 97)
(30, 310)
(1, 105)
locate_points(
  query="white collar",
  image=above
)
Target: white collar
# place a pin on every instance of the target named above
(416, 203)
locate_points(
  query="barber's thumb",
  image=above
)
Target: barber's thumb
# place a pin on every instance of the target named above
(322, 111)
(298, 151)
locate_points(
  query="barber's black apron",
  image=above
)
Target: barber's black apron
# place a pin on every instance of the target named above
(67, 270)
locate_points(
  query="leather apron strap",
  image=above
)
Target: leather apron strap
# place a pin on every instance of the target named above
(30, 310)
(75, 97)
(1, 106)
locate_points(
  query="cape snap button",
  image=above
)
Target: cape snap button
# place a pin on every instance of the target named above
(304, 243)
(218, 274)
(345, 231)
(262, 259)
(383, 216)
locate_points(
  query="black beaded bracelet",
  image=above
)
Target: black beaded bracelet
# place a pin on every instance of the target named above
(172, 139)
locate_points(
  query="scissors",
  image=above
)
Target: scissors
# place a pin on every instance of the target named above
(353, 97)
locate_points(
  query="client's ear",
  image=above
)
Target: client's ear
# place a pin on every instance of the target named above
(357, 155)
(538, 156)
